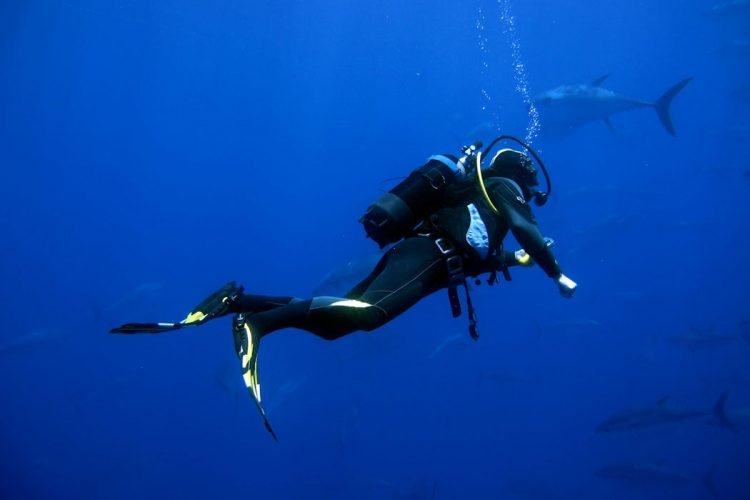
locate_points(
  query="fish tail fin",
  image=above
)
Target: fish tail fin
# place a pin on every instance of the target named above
(664, 103)
(720, 411)
(708, 481)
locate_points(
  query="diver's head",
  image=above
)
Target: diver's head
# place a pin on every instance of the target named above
(516, 166)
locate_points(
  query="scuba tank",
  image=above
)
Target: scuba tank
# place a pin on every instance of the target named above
(397, 213)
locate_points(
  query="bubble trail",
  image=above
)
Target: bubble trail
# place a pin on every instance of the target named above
(519, 69)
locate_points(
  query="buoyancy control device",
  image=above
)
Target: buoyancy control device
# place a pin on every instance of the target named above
(396, 213)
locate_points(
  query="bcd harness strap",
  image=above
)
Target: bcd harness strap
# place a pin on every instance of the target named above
(456, 277)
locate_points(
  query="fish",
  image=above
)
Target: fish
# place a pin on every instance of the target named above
(454, 342)
(661, 413)
(282, 394)
(344, 277)
(33, 340)
(734, 49)
(698, 338)
(139, 294)
(730, 9)
(347, 422)
(485, 131)
(735, 421)
(226, 380)
(567, 107)
(654, 475)
(142, 300)
(361, 349)
(647, 474)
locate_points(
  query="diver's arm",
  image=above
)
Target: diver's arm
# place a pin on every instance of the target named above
(521, 224)
(529, 236)
(503, 260)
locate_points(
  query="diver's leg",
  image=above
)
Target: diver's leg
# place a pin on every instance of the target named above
(363, 285)
(258, 303)
(412, 270)
(231, 299)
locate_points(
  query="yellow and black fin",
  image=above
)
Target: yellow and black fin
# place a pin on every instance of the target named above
(215, 305)
(246, 344)
(146, 328)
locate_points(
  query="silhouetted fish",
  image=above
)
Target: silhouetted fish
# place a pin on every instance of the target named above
(697, 338)
(643, 474)
(657, 414)
(42, 338)
(138, 294)
(653, 475)
(344, 277)
(730, 9)
(567, 107)
(455, 341)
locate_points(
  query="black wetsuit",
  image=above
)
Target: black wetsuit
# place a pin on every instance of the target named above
(411, 270)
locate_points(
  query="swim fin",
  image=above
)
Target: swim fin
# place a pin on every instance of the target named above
(215, 305)
(146, 328)
(246, 344)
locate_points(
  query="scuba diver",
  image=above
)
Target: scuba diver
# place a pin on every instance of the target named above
(446, 221)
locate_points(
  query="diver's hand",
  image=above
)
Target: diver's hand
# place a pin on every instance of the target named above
(566, 286)
(523, 258)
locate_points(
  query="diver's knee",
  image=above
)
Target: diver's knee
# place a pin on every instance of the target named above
(373, 319)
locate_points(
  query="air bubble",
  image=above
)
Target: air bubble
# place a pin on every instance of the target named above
(508, 24)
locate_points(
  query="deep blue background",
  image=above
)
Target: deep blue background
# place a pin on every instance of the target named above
(151, 151)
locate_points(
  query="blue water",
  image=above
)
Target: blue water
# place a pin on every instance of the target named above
(151, 151)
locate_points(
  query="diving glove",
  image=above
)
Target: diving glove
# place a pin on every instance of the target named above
(566, 286)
